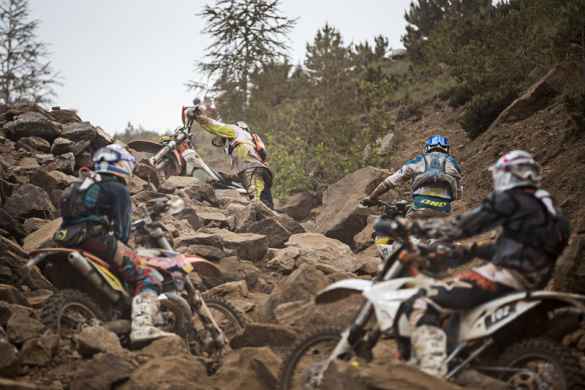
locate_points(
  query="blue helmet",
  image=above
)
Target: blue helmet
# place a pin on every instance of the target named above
(114, 160)
(437, 143)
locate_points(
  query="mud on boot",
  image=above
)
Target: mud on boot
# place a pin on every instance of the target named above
(145, 308)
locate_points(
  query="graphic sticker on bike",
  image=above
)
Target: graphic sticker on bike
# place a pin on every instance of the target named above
(499, 315)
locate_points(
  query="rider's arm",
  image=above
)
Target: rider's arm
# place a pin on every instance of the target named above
(121, 210)
(404, 173)
(217, 127)
(492, 212)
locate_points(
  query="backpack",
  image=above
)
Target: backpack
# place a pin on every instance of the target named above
(435, 174)
(259, 146)
(72, 204)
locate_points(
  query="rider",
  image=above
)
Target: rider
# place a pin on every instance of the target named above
(435, 175)
(534, 234)
(97, 215)
(248, 161)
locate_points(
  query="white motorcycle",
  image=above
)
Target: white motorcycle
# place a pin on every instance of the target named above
(515, 338)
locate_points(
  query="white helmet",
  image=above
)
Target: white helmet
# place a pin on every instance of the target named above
(114, 160)
(515, 169)
(243, 125)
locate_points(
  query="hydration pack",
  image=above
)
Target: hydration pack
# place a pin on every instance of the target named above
(435, 174)
(72, 202)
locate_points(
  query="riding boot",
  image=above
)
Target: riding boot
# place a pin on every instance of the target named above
(430, 347)
(145, 308)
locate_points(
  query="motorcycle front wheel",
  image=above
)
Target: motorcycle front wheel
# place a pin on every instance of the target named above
(305, 356)
(231, 321)
(68, 311)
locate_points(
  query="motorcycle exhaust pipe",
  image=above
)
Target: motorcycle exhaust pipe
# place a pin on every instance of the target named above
(82, 265)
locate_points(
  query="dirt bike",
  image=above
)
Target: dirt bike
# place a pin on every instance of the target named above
(515, 338)
(89, 292)
(177, 156)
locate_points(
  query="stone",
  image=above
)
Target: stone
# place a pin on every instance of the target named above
(199, 238)
(250, 369)
(302, 284)
(167, 346)
(364, 238)
(7, 310)
(236, 289)
(9, 384)
(233, 269)
(136, 185)
(299, 205)
(247, 246)
(29, 201)
(52, 180)
(227, 197)
(170, 372)
(339, 218)
(22, 327)
(63, 145)
(32, 124)
(102, 138)
(42, 237)
(190, 215)
(276, 233)
(8, 355)
(541, 93)
(96, 339)
(38, 297)
(202, 192)
(261, 335)
(284, 261)
(212, 217)
(64, 116)
(368, 265)
(79, 131)
(12, 295)
(173, 183)
(39, 351)
(208, 252)
(31, 225)
(569, 275)
(34, 144)
(102, 372)
(315, 248)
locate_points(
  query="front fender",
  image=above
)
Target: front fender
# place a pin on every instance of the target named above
(341, 290)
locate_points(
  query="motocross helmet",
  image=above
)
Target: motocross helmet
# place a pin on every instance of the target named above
(515, 169)
(243, 125)
(114, 160)
(437, 143)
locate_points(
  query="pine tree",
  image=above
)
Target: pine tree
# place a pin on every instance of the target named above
(246, 35)
(25, 74)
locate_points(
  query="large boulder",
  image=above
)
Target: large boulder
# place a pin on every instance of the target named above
(315, 249)
(299, 205)
(63, 145)
(250, 369)
(302, 284)
(541, 94)
(32, 124)
(43, 236)
(102, 372)
(277, 234)
(79, 131)
(569, 275)
(95, 339)
(39, 351)
(338, 218)
(169, 372)
(52, 180)
(29, 201)
(264, 335)
(8, 355)
(35, 144)
(22, 327)
(247, 246)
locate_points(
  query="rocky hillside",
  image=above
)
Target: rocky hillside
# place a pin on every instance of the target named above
(272, 263)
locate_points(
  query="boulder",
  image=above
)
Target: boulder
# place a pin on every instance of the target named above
(364, 238)
(276, 233)
(227, 197)
(237, 289)
(43, 236)
(167, 346)
(541, 94)
(64, 116)
(32, 124)
(212, 217)
(245, 245)
(173, 183)
(302, 284)
(7, 310)
(264, 335)
(96, 339)
(102, 138)
(34, 144)
(299, 205)
(51, 180)
(22, 327)
(169, 372)
(202, 192)
(12, 295)
(8, 355)
(102, 372)
(9, 384)
(29, 201)
(79, 131)
(234, 269)
(208, 252)
(367, 265)
(569, 274)
(64, 163)
(316, 249)
(63, 145)
(39, 351)
(250, 369)
(191, 216)
(338, 217)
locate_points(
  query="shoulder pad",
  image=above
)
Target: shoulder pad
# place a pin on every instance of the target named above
(415, 160)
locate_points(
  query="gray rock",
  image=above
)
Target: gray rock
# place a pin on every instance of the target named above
(29, 201)
(79, 131)
(95, 339)
(170, 372)
(21, 327)
(51, 180)
(167, 346)
(32, 124)
(35, 144)
(261, 335)
(39, 351)
(102, 372)
(64, 145)
(299, 205)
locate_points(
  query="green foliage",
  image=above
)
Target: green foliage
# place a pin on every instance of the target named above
(482, 111)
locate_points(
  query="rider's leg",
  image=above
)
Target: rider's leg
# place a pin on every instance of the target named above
(429, 342)
(255, 183)
(145, 281)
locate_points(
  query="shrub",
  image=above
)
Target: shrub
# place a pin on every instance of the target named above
(482, 110)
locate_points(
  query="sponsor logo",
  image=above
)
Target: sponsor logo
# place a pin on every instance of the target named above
(434, 203)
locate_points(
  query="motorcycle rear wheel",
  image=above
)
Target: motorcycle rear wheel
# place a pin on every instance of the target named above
(554, 365)
(70, 310)
(318, 344)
